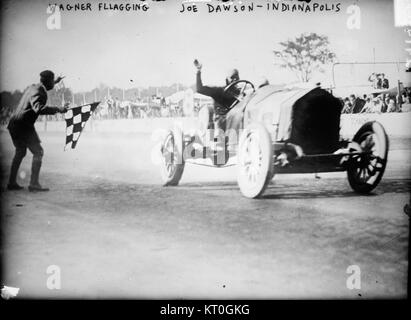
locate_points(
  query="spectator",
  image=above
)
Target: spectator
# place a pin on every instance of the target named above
(378, 105)
(116, 106)
(369, 104)
(379, 82)
(347, 106)
(384, 82)
(110, 108)
(357, 103)
(122, 111)
(384, 103)
(373, 78)
(405, 98)
(392, 106)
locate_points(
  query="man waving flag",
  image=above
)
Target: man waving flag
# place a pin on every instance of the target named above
(76, 119)
(32, 104)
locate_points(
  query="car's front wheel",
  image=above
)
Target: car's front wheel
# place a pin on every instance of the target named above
(172, 158)
(365, 171)
(255, 160)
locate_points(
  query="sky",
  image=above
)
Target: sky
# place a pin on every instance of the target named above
(157, 47)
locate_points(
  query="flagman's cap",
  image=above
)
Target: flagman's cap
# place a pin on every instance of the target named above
(47, 75)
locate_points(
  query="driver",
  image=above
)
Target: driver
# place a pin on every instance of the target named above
(222, 100)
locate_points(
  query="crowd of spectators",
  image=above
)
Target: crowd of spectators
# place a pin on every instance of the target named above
(379, 103)
(114, 108)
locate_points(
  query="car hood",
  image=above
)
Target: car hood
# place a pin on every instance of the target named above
(273, 106)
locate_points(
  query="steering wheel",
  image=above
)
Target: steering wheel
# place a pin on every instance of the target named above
(238, 96)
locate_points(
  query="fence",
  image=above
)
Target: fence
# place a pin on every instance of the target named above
(396, 124)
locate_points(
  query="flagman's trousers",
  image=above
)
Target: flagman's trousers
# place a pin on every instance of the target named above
(23, 139)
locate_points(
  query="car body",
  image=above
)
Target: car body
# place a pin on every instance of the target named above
(289, 130)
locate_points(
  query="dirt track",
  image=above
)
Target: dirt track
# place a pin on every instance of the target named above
(116, 233)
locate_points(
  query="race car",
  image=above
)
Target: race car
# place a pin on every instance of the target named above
(271, 131)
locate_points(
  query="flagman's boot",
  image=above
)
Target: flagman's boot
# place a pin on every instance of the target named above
(35, 172)
(15, 165)
(14, 186)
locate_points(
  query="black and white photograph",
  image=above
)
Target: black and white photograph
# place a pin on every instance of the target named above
(205, 149)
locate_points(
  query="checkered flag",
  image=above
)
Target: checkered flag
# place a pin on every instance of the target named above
(76, 119)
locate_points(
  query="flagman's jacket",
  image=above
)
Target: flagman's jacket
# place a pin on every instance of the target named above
(31, 105)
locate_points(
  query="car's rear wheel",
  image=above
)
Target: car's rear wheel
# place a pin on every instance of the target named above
(255, 160)
(365, 171)
(172, 155)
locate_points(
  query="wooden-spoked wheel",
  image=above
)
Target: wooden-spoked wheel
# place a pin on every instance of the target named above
(255, 160)
(365, 171)
(172, 167)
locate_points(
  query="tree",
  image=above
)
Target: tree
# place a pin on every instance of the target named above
(305, 55)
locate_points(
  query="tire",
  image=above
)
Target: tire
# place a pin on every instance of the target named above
(255, 160)
(172, 167)
(365, 172)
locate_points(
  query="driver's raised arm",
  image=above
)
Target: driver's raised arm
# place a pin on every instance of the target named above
(213, 92)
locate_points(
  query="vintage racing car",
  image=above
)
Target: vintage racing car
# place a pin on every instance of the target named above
(273, 131)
